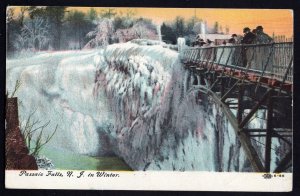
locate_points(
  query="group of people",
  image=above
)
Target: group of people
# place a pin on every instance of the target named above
(200, 42)
(256, 36)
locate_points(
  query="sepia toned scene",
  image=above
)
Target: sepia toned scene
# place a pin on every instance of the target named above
(149, 89)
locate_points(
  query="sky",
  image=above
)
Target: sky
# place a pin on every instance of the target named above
(279, 21)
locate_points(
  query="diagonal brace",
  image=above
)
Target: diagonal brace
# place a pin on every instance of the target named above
(284, 162)
(254, 109)
(229, 91)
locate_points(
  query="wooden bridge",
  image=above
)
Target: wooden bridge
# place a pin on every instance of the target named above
(246, 80)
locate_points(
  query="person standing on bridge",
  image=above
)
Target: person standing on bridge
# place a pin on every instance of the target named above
(248, 38)
(235, 52)
(199, 42)
(209, 43)
(262, 37)
(233, 40)
(202, 42)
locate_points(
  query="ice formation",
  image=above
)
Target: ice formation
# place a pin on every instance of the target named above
(136, 101)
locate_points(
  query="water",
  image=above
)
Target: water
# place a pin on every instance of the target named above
(181, 44)
(159, 32)
(67, 160)
(203, 30)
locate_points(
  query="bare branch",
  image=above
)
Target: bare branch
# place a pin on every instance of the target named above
(17, 86)
(33, 129)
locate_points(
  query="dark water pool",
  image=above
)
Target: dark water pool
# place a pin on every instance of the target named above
(67, 160)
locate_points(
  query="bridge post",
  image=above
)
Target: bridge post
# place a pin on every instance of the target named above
(269, 132)
(222, 90)
(240, 104)
(181, 45)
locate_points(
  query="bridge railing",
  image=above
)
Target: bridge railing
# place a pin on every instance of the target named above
(273, 60)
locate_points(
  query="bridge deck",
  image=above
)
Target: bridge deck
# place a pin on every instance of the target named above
(271, 64)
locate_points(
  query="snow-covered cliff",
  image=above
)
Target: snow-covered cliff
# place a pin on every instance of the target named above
(131, 100)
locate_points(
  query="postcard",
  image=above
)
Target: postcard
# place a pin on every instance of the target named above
(111, 98)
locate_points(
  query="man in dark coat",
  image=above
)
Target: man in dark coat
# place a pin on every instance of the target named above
(262, 37)
(249, 37)
(233, 39)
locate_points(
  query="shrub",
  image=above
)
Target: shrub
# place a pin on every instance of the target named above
(35, 129)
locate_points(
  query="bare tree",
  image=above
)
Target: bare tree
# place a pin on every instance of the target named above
(34, 35)
(124, 35)
(227, 29)
(102, 35)
(142, 31)
(23, 10)
(197, 28)
(108, 13)
(221, 29)
(9, 14)
(216, 27)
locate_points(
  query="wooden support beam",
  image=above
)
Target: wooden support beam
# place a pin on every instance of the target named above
(254, 130)
(240, 110)
(282, 97)
(269, 133)
(282, 137)
(222, 86)
(254, 109)
(213, 85)
(287, 130)
(229, 91)
(282, 166)
(200, 71)
(273, 135)
(243, 138)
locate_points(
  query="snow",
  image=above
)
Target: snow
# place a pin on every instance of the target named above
(213, 37)
(134, 100)
(181, 44)
(44, 163)
(55, 84)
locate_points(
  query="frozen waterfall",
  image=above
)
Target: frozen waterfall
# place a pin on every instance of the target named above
(131, 100)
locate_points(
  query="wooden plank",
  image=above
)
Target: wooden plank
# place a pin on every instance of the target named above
(269, 133)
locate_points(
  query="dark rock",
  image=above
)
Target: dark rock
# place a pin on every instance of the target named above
(16, 151)
(28, 163)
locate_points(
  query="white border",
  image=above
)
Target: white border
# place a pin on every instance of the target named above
(158, 180)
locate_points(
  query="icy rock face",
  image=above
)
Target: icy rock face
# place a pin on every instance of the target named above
(132, 100)
(58, 86)
(161, 123)
(44, 163)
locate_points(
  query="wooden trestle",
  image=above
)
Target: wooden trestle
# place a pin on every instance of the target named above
(257, 77)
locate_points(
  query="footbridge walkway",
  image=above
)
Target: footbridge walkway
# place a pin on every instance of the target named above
(246, 80)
